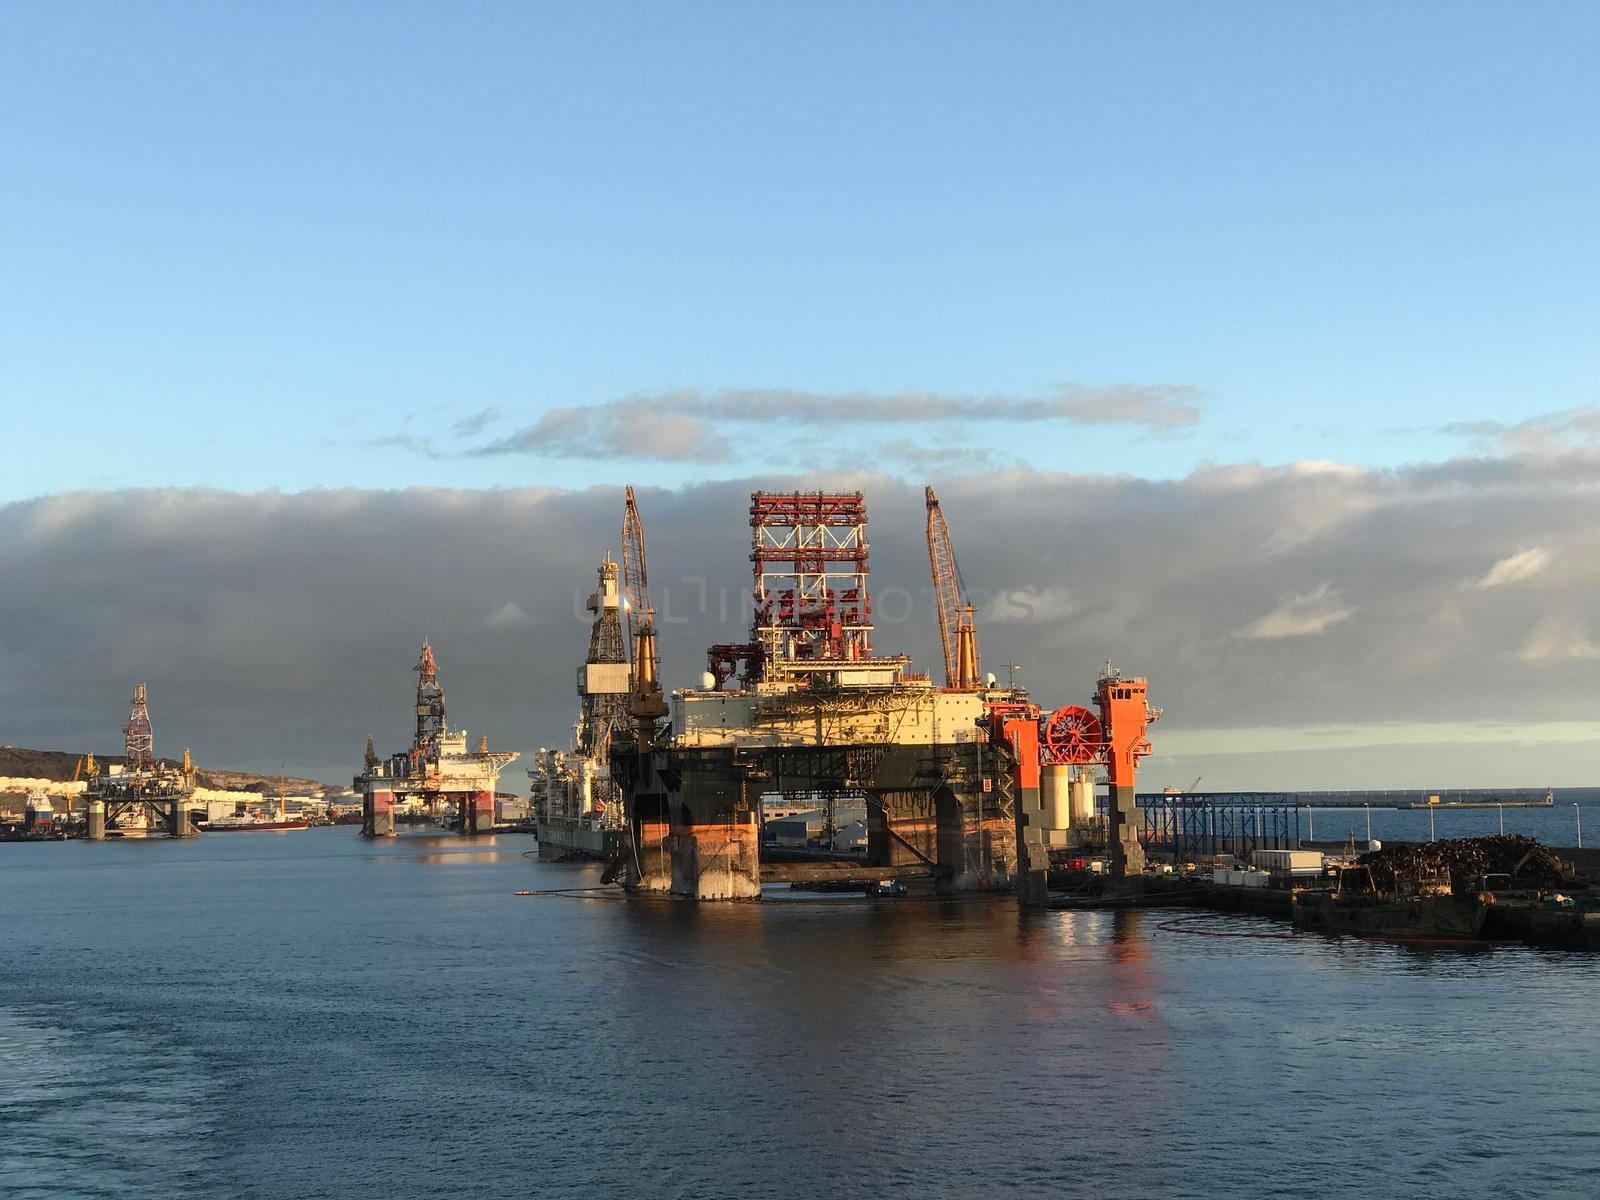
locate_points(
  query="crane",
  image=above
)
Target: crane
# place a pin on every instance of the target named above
(648, 704)
(635, 575)
(958, 631)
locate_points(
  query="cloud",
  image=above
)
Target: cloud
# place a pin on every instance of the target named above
(1515, 568)
(1559, 639)
(1027, 605)
(475, 423)
(509, 615)
(963, 459)
(697, 424)
(1546, 433)
(627, 430)
(281, 628)
(407, 441)
(1308, 615)
(1157, 407)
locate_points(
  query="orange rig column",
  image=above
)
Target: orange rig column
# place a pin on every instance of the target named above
(1016, 727)
(1125, 715)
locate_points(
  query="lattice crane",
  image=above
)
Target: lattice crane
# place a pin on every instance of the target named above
(648, 703)
(958, 631)
(635, 575)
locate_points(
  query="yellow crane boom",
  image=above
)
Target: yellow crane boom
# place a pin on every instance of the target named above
(958, 631)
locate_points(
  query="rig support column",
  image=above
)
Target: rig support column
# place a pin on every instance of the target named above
(1125, 714)
(479, 814)
(177, 819)
(717, 862)
(96, 818)
(377, 813)
(649, 866)
(1021, 734)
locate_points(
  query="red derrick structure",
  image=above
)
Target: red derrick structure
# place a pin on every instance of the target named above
(808, 554)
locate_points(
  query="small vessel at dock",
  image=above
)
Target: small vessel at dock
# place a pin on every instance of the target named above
(244, 819)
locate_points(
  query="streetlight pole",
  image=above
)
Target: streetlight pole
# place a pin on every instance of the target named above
(1502, 809)
(1577, 815)
(1368, 807)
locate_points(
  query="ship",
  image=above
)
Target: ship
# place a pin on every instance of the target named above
(244, 819)
(577, 806)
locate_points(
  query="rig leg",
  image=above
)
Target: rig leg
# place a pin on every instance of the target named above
(479, 816)
(717, 862)
(1127, 855)
(1033, 858)
(377, 814)
(649, 862)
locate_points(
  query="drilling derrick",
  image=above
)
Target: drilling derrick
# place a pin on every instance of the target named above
(809, 551)
(139, 738)
(604, 692)
(958, 631)
(431, 722)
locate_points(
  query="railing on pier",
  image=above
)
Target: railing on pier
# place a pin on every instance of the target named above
(1200, 824)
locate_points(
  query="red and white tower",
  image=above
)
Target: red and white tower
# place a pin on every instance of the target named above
(809, 551)
(139, 738)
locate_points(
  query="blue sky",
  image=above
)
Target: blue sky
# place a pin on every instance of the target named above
(275, 246)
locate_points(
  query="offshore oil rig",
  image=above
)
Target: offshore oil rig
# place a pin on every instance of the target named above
(140, 796)
(970, 782)
(438, 772)
(577, 805)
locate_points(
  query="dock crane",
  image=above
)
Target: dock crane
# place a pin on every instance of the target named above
(648, 705)
(958, 631)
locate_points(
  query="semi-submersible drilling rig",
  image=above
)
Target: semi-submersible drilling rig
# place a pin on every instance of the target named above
(972, 780)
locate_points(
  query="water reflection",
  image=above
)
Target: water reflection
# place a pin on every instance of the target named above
(328, 1023)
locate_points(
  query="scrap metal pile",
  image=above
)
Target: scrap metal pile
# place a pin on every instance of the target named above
(1463, 860)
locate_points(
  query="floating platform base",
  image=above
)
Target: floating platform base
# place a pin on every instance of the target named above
(572, 841)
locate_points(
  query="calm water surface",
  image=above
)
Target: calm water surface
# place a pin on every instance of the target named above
(308, 1015)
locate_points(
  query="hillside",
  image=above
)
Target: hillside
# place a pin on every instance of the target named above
(18, 762)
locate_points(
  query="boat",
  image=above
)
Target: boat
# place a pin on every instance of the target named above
(238, 822)
(577, 806)
(243, 820)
